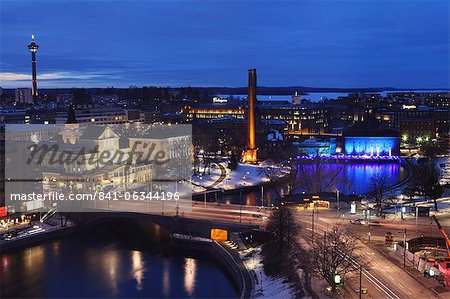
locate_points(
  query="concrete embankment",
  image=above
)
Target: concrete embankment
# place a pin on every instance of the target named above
(225, 256)
(35, 239)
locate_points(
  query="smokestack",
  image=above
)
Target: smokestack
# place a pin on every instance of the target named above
(250, 154)
(251, 144)
(254, 86)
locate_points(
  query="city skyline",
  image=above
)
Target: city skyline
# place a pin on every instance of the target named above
(180, 43)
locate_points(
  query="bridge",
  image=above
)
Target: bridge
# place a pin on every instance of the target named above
(197, 221)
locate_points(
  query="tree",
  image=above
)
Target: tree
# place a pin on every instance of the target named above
(283, 227)
(331, 255)
(431, 149)
(285, 166)
(233, 161)
(378, 191)
(318, 175)
(282, 255)
(410, 190)
(428, 177)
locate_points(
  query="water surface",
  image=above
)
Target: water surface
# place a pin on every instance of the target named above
(111, 261)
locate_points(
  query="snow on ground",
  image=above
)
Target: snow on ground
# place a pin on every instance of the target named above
(443, 164)
(395, 211)
(245, 175)
(271, 287)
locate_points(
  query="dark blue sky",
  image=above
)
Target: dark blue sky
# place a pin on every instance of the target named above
(361, 43)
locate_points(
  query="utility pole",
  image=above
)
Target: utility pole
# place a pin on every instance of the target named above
(401, 207)
(240, 206)
(417, 229)
(360, 281)
(404, 249)
(262, 197)
(337, 203)
(312, 226)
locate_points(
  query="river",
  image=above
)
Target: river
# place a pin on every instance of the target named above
(353, 178)
(114, 260)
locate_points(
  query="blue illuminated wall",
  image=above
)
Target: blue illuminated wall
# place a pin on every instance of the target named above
(372, 146)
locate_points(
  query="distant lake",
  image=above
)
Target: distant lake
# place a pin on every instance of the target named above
(318, 96)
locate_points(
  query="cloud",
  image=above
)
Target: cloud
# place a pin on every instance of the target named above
(14, 77)
(48, 76)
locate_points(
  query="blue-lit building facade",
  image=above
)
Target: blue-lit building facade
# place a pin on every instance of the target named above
(372, 144)
(354, 145)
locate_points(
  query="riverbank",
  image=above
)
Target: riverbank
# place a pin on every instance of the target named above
(227, 257)
(245, 177)
(34, 239)
(265, 285)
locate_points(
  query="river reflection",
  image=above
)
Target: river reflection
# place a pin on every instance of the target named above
(352, 179)
(95, 263)
(190, 270)
(138, 268)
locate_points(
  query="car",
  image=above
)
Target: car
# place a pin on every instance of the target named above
(374, 223)
(356, 221)
(260, 216)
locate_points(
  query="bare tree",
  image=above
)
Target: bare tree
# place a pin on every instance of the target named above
(378, 192)
(410, 190)
(288, 171)
(318, 175)
(331, 255)
(427, 177)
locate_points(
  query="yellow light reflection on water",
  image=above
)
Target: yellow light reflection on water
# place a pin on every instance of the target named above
(110, 266)
(34, 260)
(190, 271)
(137, 268)
(166, 278)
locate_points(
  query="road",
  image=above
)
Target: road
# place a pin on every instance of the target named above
(230, 213)
(383, 278)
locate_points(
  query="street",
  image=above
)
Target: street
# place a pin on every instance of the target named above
(382, 278)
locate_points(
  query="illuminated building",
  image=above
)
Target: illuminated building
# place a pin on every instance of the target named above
(104, 116)
(14, 116)
(250, 154)
(33, 132)
(24, 95)
(216, 111)
(416, 122)
(299, 119)
(372, 144)
(33, 47)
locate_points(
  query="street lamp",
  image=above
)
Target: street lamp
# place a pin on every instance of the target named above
(337, 278)
(337, 202)
(401, 207)
(240, 206)
(262, 197)
(416, 218)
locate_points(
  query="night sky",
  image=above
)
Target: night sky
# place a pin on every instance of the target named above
(365, 43)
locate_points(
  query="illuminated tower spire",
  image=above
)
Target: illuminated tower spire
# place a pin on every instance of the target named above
(33, 49)
(249, 155)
